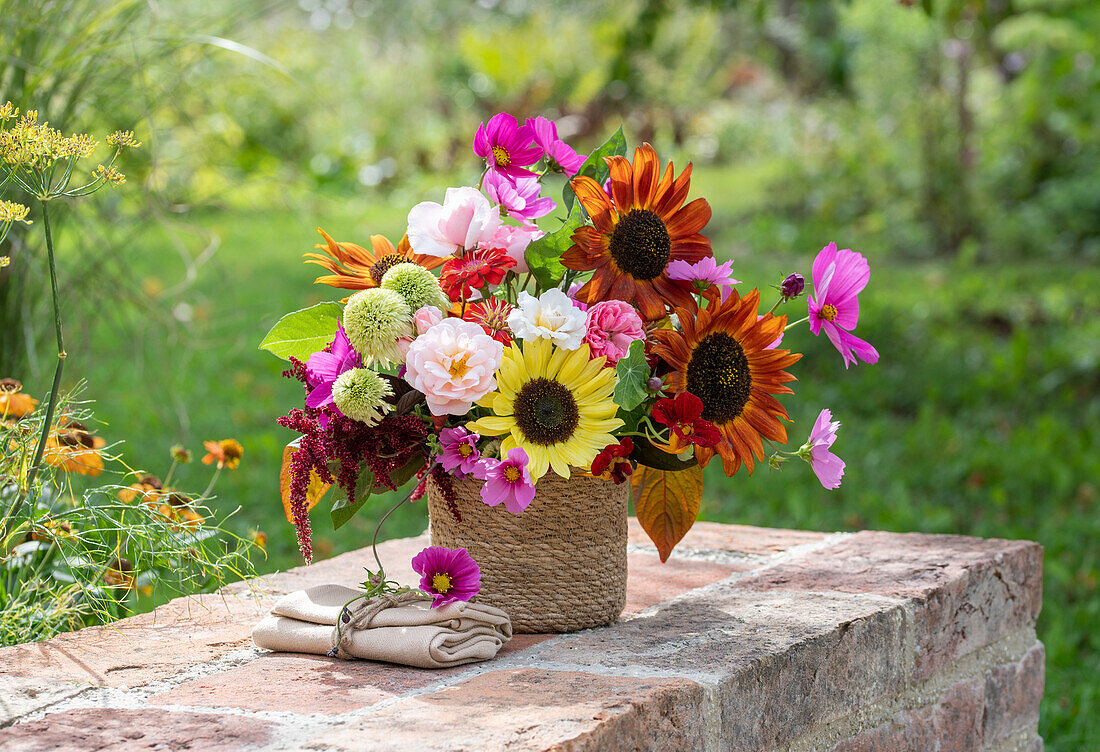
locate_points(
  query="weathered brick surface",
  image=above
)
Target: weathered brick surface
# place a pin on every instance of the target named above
(970, 591)
(649, 581)
(121, 730)
(732, 539)
(1012, 694)
(530, 709)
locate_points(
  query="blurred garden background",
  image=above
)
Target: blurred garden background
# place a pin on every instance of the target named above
(955, 143)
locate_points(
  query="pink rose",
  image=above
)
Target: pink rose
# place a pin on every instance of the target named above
(426, 317)
(611, 326)
(515, 240)
(453, 364)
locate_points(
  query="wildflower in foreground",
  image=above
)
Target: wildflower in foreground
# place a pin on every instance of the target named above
(839, 277)
(682, 414)
(463, 221)
(324, 367)
(551, 316)
(559, 155)
(148, 487)
(492, 315)
(460, 455)
(453, 365)
(447, 574)
(553, 403)
(227, 453)
(722, 356)
(361, 395)
(636, 234)
(415, 284)
(817, 450)
(374, 320)
(355, 268)
(612, 462)
(704, 274)
(610, 327)
(507, 480)
(13, 402)
(506, 146)
(72, 448)
(520, 198)
(473, 270)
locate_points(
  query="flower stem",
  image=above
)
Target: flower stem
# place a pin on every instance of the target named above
(795, 323)
(213, 480)
(777, 304)
(378, 528)
(171, 471)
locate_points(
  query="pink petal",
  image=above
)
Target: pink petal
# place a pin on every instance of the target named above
(828, 468)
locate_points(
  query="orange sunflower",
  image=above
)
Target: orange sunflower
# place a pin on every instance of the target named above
(724, 357)
(355, 268)
(636, 233)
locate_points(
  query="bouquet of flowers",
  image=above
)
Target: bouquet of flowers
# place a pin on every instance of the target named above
(609, 342)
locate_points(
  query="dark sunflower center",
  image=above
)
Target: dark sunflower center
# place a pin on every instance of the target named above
(384, 264)
(718, 374)
(640, 244)
(546, 412)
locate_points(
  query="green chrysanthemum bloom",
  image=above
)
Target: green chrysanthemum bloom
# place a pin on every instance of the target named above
(360, 393)
(374, 320)
(415, 284)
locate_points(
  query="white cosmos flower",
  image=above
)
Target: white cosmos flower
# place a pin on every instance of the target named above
(464, 219)
(550, 316)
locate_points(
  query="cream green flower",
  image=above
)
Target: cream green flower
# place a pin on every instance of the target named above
(360, 394)
(374, 320)
(415, 284)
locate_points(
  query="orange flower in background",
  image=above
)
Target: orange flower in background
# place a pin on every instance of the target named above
(148, 487)
(723, 357)
(227, 453)
(71, 447)
(636, 233)
(355, 268)
(13, 403)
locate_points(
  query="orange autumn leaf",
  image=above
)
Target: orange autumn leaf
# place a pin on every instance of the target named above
(316, 491)
(666, 503)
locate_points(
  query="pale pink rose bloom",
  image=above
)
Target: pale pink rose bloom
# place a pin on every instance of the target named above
(464, 219)
(453, 365)
(515, 240)
(611, 326)
(426, 317)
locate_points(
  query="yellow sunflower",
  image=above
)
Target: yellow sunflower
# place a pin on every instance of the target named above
(553, 403)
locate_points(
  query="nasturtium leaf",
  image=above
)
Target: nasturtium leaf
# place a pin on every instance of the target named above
(314, 493)
(632, 372)
(595, 167)
(302, 333)
(666, 504)
(543, 256)
(344, 509)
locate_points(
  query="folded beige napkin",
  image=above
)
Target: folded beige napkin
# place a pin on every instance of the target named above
(403, 630)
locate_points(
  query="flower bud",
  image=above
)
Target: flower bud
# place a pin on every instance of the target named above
(180, 454)
(655, 383)
(792, 286)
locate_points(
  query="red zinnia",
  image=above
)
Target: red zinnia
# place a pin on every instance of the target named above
(612, 463)
(682, 414)
(492, 315)
(473, 270)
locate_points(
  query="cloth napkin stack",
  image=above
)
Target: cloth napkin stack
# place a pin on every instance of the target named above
(410, 633)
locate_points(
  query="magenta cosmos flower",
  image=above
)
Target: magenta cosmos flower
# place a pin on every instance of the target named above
(507, 480)
(324, 367)
(827, 466)
(460, 455)
(447, 574)
(839, 277)
(506, 146)
(558, 153)
(519, 197)
(705, 273)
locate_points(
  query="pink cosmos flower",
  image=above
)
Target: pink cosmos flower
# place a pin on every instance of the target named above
(323, 368)
(839, 277)
(558, 153)
(447, 574)
(506, 480)
(464, 219)
(519, 197)
(453, 364)
(460, 455)
(704, 274)
(611, 325)
(827, 466)
(515, 240)
(506, 146)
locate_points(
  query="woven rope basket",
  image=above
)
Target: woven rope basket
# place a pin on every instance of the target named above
(559, 566)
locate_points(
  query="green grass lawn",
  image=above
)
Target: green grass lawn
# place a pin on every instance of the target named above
(981, 418)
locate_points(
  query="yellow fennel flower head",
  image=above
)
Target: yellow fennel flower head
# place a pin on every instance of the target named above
(374, 320)
(109, 175)
(553, 403)
(8, 111)
(13, 212)
(360, 394)
(123, 140)
(415, 284)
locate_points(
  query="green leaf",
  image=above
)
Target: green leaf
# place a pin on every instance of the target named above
(632, 372)
(304, 332)
(344, 509)
(543, 256)
(595, 167)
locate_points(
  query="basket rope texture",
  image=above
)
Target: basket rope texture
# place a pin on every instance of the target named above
(559, 566)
